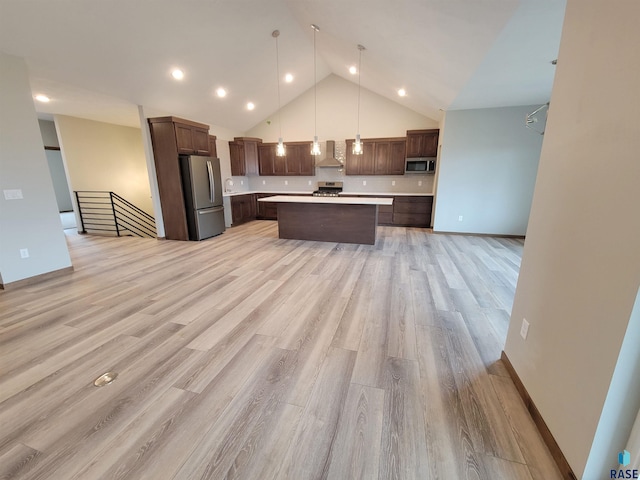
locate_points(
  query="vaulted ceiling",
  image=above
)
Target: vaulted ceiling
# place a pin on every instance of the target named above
(98, 59)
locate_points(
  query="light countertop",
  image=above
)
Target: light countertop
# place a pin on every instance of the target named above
(372, 194)
(249, 192)
(343, 200)
(394, 194)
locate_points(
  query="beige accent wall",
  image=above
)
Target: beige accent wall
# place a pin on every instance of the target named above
(103, 156)
(337, 115)
(581, 265)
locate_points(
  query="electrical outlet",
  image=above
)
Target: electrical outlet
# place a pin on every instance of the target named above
(393, 183)
(419, 183)
(524, 330)
(286, 182)
(264, 182)
(309, 183)
(24, 253)
(460, 218)
(364, 183)
(241, 182)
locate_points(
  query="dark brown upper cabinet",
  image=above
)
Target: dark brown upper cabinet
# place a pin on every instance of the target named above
(170, 137)
(297, 160)
(213, 150)
(397, 156)
(192, 139)
(266, 156)
(243, 152)
(380, 156)
(422, 143)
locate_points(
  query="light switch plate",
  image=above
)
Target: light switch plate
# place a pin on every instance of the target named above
(24, 253)
(13, 194)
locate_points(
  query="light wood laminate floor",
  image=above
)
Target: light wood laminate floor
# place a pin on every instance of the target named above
(246, 356)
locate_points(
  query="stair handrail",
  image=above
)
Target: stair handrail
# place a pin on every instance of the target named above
(122, 217)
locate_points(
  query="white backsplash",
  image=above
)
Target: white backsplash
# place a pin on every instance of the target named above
(354, 184)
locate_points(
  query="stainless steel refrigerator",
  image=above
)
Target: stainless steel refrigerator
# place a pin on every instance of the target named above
(202, 188)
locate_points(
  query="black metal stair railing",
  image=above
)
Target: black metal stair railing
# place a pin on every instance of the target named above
(107, 213)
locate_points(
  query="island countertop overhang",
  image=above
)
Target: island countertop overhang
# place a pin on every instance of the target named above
(341, 200)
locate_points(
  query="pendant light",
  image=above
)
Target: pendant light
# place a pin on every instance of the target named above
(315, 148)
(280, 150)
(357, 145)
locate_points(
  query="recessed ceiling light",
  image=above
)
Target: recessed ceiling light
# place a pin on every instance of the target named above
(402, 92)
(177, 74)
(250, 106)
(221, 92)
(288, 78)
(353, 70)
(42, 98)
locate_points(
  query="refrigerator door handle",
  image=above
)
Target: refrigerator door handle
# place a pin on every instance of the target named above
(212, 187)
(204, 211)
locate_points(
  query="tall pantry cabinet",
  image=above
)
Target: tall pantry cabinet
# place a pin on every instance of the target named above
(170, 137)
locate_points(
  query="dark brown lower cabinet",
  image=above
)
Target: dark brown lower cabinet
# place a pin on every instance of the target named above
(243, 209)
(406, 211)
(269, 210)
(385, 214)
(266, 210)
(411, 211)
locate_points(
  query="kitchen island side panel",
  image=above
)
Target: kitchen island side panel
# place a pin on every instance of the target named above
(328, 222)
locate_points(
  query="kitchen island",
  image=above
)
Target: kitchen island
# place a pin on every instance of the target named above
(328, 219)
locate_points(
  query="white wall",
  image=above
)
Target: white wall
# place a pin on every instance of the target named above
(33, 222)
(103, 156)
(352, 184)
(487, 171)
(623, 401)
(633, 444)
(581, 264)
(337, 115)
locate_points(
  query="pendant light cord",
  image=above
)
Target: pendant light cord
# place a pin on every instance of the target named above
(315, 86)
(360, 48)
(276, 33)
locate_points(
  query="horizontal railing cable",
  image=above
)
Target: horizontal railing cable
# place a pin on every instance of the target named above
(104, 212)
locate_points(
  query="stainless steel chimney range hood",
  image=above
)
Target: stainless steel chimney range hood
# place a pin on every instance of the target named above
(330, 161)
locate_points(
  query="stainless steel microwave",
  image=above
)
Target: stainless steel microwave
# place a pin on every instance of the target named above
(420, 165)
